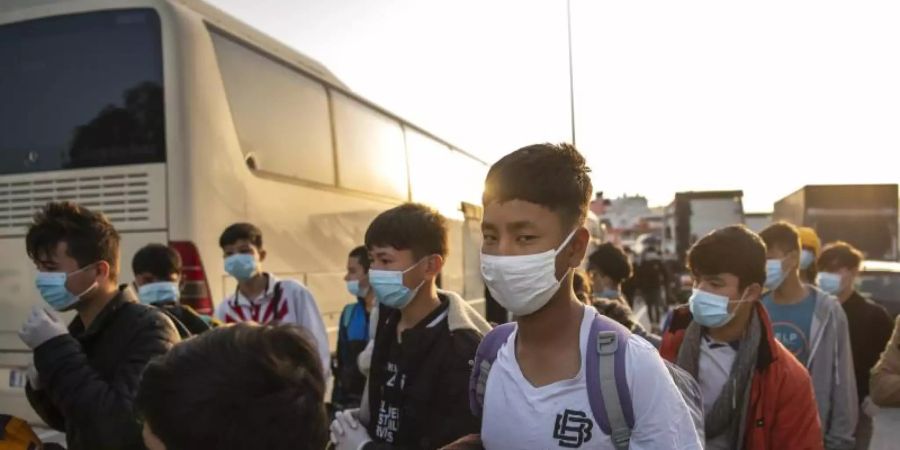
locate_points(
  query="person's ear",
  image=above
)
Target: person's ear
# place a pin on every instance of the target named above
(103, 270)
(578, 247)
(434, 265)
(753, 292)
(794, 259)
(262, 255)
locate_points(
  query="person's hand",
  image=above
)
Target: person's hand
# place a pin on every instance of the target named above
(40, 327)
(346, 431)
(34, 379)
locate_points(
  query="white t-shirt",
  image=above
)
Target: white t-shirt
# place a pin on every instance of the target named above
(714, 369)
(297, 306)
(518, 415)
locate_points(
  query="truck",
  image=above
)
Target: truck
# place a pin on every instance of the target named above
(864, 215)
(692, 215)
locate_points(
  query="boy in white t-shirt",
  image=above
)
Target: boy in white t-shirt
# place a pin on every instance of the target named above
(535, 202)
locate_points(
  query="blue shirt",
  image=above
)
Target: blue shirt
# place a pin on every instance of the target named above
(792, 323)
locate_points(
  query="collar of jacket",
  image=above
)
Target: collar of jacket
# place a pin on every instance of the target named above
(682, 317)
(125, 295)
(462, 316)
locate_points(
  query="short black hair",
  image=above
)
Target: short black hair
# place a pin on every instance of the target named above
(553, 176)
(159, 260)
(734, 250)
(239, 231)
(782, 236)
(237, 387)
(361, 254)
(410, 226)
(840, 255)
(89, 235)
(616, 310)
(610, 260)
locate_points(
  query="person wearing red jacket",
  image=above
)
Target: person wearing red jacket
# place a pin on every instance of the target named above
(756, 395)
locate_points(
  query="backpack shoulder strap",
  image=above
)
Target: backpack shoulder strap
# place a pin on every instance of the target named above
(347, 314)
(183, 331)
(607, 384)
(481, 367)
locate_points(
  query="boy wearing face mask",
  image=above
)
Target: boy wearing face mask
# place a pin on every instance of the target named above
(812, 325)
(426, 337)
(85, 376)
(353, 332)
(537, 392)
(609, 267)
(260, 296)
(157, 276)
(756, 395)
(869, 323)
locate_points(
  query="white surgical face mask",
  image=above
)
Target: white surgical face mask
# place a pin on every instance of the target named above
(523, 284)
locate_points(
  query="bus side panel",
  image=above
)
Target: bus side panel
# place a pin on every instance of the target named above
(308, 234)
(207, 172)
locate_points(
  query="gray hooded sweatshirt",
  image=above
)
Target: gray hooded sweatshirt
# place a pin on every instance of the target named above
(830, 366)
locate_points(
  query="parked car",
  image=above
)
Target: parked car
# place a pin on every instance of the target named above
(880, 281)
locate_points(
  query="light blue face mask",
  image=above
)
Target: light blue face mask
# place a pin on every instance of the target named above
(807, 258)
(711, 310)
(52, 286)
(829, 282)
(163, 291)
(354, 289)
(608, 293)
(389, 288)
(774, 274)
(242, 266)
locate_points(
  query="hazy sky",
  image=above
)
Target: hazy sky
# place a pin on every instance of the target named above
(764, 96)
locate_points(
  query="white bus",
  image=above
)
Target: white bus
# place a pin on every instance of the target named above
(176, 120)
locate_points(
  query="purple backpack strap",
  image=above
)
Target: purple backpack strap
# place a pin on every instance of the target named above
(605, 332)
(484, 358)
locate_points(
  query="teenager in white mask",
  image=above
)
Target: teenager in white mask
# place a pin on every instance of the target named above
(416, 395)
(535, 202)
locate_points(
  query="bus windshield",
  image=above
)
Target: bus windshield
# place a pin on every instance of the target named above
(81, 90)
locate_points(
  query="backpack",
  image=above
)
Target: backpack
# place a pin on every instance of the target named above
(608, 392)
(16, 434)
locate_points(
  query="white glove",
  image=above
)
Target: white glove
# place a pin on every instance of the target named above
(40, 327)
(34, 378)
(346, 431)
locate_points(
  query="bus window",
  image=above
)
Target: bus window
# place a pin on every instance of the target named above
(81, 90)
(281, 116)
(426, 154)
(370, 147)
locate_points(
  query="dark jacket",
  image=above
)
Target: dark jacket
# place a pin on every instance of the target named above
(870, 329)
(90, 377)
(187, 321)
(437, 363)
(353, 336)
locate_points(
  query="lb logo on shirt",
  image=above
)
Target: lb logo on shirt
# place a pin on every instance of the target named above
(573, 428)
(792, 337)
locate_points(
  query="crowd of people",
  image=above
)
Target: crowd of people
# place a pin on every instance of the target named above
(774, 350)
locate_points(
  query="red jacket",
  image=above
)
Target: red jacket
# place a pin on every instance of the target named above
(783, 413)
